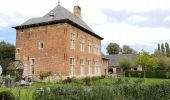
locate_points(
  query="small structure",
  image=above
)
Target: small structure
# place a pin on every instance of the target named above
(114, 62)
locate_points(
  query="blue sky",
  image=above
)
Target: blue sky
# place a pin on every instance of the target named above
(138, 23)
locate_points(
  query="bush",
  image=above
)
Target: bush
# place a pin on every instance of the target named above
(6, 95)
(115, 92)
(67, 80)
(125, 64)
(44, 75)
(149, 74)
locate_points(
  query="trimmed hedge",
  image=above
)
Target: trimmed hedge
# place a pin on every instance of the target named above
(115, 92)
(149, 74)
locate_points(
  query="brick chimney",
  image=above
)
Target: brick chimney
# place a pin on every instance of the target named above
(77, 11)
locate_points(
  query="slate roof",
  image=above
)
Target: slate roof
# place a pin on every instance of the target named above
(58, 15)
(114, 60)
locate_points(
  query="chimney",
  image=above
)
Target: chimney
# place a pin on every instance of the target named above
(77, 11)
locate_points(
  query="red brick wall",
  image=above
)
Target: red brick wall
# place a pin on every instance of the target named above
(56, 53)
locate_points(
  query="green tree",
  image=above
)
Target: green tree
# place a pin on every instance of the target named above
(162, 49)
(159, 48)
(167, 48)
(142, 60)
(161, 64)
(127, 50)
(125, 64)
(113, 48)
(7, 54)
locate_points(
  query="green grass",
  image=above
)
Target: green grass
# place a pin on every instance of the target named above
(22, 93)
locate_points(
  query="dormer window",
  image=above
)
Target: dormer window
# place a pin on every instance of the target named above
(41, 45)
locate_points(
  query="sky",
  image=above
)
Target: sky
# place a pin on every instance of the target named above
(141, 24)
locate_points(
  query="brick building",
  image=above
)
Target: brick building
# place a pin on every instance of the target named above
(60, 42)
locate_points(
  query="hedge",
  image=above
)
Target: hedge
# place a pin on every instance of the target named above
(115, 92)
(148, 74)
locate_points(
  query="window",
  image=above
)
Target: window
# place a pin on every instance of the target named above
(95, 47)
(17, 50)
(99, 49)
(89, 67)
(82, 42)
(72, 66)
(89, 46)
(72, 40)
(82, 66)
(97, 67)
(32, 65)
(41, 45)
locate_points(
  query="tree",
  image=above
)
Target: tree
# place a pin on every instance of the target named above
(167, 48)
(159, 48)
(125, 64)
(162, 49)
(127, 50)
(7, 53)
(142, 60)
(113, 48)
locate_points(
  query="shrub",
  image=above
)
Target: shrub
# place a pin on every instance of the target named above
(167, 74)
(149, 74)
(67, 80)
(87, 81)
(7, 95)
(125, 64)
(44, 75)
(116, 92)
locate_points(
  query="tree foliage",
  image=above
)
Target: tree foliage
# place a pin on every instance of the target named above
(167, 48)
(127, 50)
(162, 49)
(113, 48)
(125, 64)
(143, 59)
(7, 53)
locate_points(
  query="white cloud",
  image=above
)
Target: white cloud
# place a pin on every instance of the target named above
(3, 23)
(136, 19)
(121, 33)
(167, 19)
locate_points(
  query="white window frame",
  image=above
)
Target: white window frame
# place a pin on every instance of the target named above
(97, 68)
(72, 66)
(82, 44)
(72, 40)
(32, 66)
(18, 50)
(89, 46)
(89, 67)
(82, 72)
(41, 45)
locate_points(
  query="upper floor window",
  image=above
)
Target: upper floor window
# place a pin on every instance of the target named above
(41, 45)
(95, 47)
(82, 43)
(89, 46)
(72, 40)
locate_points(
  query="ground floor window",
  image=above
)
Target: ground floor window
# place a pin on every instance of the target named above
(72, 66)
(81, 66)
(32, 65)
(89, 67)
(97, 67)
